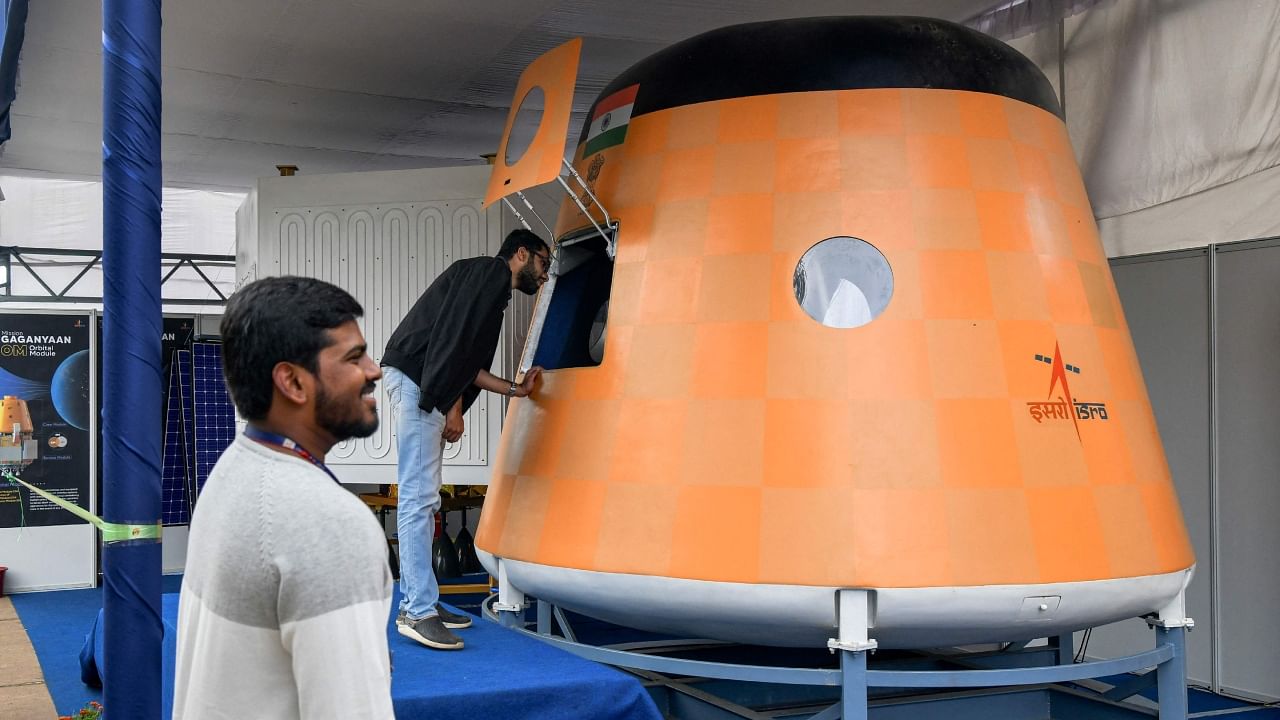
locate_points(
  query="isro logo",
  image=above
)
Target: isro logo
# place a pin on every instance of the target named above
(1061, 409)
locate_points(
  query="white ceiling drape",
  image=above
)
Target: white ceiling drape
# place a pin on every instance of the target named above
(1173, 107)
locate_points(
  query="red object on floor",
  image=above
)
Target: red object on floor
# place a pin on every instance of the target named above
(2, 569)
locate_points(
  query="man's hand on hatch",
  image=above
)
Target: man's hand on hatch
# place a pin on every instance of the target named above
(530, 379)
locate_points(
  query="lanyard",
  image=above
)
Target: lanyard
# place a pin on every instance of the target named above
(270, 438)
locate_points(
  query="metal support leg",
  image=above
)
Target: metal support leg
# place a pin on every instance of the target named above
(853, 685)
(544, 617)
(393, 559)
(1064, 646)
(856, 613)
(511, 601)
(1171, 625)
(1171, 675)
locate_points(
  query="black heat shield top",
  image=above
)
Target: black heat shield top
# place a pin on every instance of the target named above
(831, 53)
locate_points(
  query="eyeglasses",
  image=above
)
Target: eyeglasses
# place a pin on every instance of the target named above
(546, 259)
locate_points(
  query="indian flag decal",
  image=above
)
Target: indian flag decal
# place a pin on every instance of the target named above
(609, 123)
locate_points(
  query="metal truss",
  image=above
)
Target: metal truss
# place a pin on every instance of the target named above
(29, 262)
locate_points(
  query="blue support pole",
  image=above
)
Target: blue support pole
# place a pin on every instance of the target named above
(1064, 647)
(544, 617)
(853, 685)
(131, 422)
(1171, 675)
(511, 619)
(13, 28)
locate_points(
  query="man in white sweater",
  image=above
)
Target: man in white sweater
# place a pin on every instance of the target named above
(287, 593)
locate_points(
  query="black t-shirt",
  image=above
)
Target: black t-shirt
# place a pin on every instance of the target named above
(451, 332)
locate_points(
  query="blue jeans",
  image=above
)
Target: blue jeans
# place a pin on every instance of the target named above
(420, 440)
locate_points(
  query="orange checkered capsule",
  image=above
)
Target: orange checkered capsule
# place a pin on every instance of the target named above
(854, 329)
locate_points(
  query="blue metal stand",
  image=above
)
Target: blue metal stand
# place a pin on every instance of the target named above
(1018, 682)
(1172, 675)
(853, 688)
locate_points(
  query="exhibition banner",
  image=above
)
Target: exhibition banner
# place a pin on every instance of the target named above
(45, 415)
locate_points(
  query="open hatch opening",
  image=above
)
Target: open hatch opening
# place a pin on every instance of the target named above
(570, 322)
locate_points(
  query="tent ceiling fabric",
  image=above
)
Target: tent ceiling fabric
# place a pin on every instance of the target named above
(1172, 109)
(349, 85)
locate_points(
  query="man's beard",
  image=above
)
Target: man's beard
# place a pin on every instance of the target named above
(330, 417)
(527, 279)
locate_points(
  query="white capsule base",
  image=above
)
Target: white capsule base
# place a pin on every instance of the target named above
(806, 616)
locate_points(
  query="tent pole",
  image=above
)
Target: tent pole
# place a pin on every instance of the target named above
(131, 413)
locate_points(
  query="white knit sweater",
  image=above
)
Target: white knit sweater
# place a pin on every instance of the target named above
(285, 601)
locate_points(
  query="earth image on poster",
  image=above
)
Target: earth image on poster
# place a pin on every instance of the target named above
(70, 390)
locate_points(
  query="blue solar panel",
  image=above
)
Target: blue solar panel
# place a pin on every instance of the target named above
(173, 478)
(214, 415)
(182, 362)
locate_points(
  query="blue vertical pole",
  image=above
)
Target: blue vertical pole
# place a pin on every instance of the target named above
(13, 26)
(853, 685)
(131, 423)
(544, 617)
(1063, 648)
(1171, 675)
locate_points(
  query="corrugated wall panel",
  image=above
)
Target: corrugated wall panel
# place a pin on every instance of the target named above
(386, 255)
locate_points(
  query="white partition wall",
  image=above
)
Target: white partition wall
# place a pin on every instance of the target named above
(1247, 460)
(1205, 325)
(1166, 304)
(383, 237)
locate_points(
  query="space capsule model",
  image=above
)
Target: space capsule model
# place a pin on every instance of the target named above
(829, 310)
(18, 448)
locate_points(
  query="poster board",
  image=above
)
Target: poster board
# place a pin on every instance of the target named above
(47, 361)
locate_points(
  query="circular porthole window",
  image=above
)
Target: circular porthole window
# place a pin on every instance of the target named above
(525, 126)
(843, 282)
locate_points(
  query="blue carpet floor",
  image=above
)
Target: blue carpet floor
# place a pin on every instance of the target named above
(57, 623)
(541, 681)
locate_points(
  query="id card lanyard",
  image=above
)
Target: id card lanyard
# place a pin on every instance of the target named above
(280, 441)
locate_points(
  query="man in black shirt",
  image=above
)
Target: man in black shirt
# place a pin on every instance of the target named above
(435, 365)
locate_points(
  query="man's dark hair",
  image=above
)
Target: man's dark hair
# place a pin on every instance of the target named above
(273, 320)
(521, 238)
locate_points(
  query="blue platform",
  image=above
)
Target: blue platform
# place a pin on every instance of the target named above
(500, 674)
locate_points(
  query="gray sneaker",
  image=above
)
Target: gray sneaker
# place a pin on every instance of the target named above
(430, 631)
(453, 620)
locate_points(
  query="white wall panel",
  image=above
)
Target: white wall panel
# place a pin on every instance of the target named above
(173, 553)
(1203, 322)
(384, 237)
(247, 239)
(1247, 342)
(48, 558)
(1166, 304)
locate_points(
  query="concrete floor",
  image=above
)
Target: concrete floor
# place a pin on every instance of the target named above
(23, 694)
